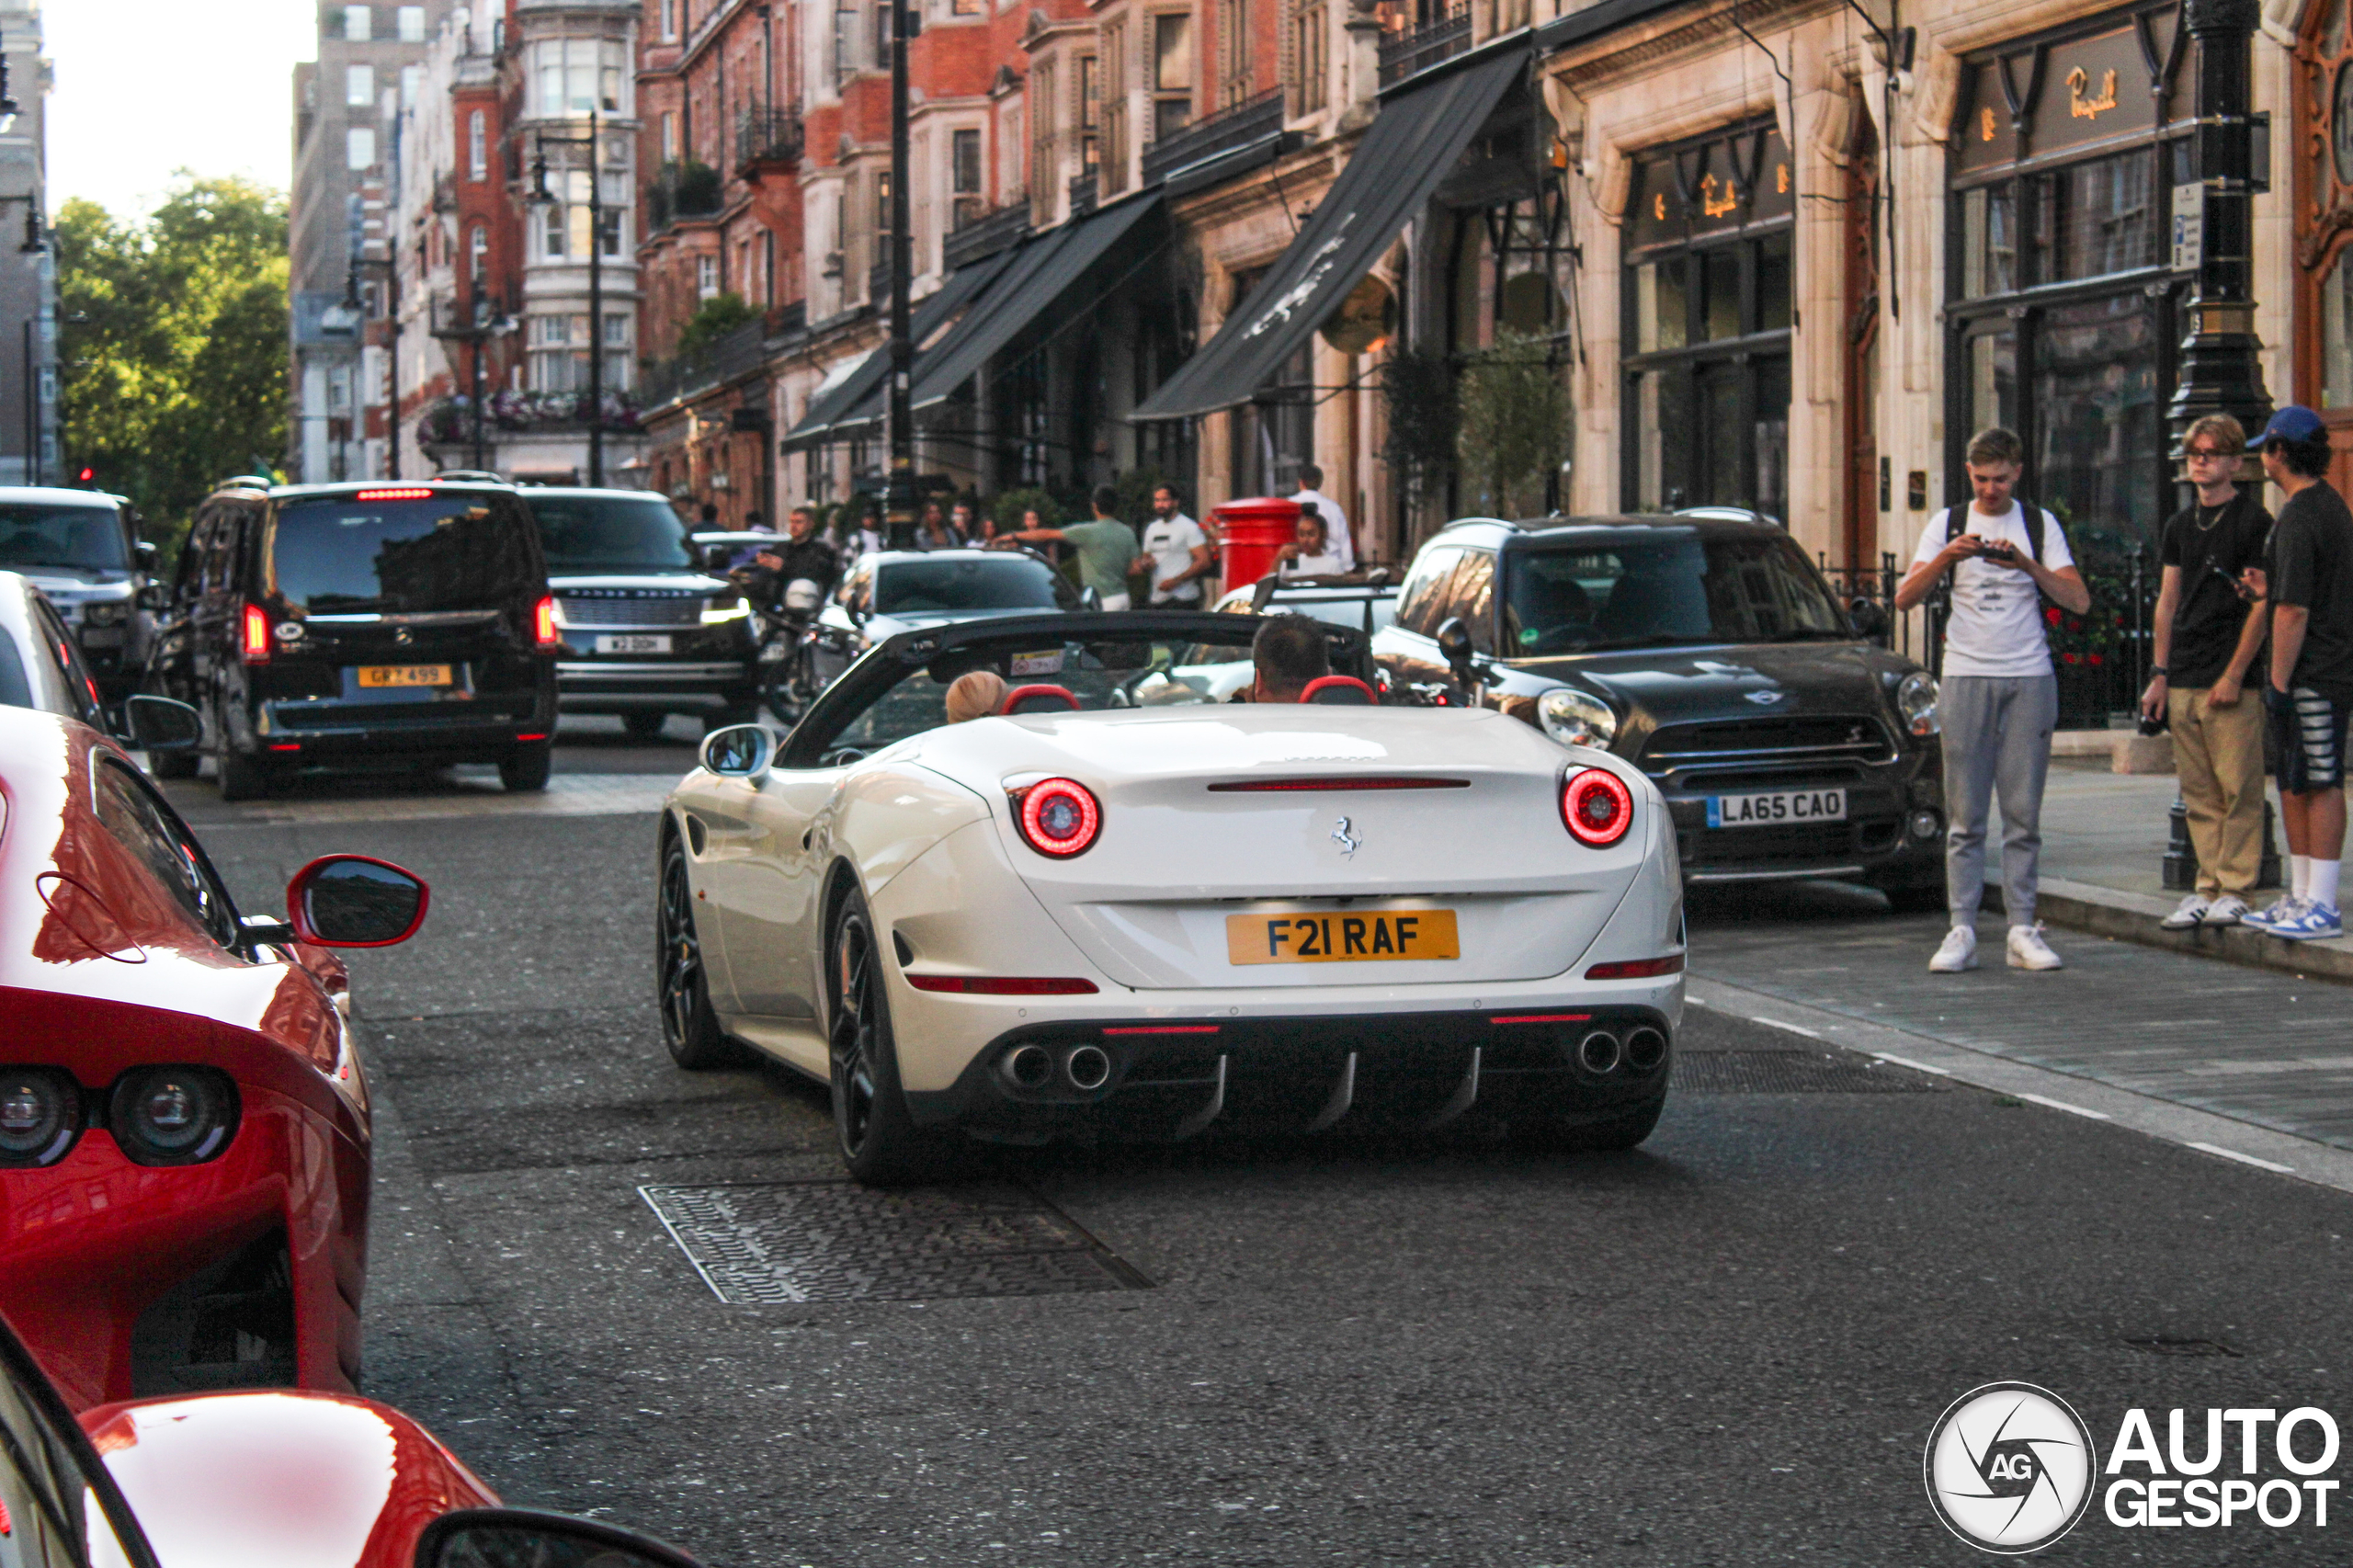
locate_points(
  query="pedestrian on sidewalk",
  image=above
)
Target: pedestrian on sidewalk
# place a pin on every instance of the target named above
(2206, 643)
(1107, 548)
(1999, 698)
(2308, 574)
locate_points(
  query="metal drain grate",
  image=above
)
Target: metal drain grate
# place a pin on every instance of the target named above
(1791, 1073)
(773, 1243)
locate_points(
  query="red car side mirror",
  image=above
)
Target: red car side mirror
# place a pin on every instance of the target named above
(352, 900)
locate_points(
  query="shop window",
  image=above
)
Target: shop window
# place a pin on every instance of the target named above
(1709, 314)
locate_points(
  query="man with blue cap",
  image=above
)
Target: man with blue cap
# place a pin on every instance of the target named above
(2308, 576)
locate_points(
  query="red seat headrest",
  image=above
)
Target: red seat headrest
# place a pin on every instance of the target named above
(1038, 700)
(1343, 690)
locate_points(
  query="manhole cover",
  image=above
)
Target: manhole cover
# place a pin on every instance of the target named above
(1791, 1073)
(832, 1240)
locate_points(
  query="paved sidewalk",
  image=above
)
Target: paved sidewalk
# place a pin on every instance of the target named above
(2104, 838)
(2270, 1050)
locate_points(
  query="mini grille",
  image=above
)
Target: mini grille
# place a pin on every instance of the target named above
(671, 610)
(1825, 737)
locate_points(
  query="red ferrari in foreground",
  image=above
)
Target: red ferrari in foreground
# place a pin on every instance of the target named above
(184, 1127)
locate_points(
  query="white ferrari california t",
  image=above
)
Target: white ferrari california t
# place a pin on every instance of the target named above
(1115, 906)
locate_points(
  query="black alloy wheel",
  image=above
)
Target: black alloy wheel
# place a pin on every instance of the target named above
(644, 726)
(880, 1143)
(791, 686)
(526, 769)
(690, 1028)
(239, 777)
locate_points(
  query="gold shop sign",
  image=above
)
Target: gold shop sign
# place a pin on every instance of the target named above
(1722, 184)
(2092, 88)
(2084, 105)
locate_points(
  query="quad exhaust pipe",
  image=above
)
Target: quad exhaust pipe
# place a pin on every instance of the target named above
(1646, 1049)
(1599, 1053)
(1088, 1067)
(1027, 1067)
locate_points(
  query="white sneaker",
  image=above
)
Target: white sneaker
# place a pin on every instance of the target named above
(2187, 913)
(2287, 909)
(2227, 910)
(2028, 951)
(1959, 952)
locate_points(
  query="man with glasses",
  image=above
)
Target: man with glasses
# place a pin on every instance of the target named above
(2206, 643)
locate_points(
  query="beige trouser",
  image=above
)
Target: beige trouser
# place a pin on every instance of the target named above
(2219, 753)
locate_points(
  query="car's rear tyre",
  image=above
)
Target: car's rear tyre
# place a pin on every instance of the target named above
(644, 726)
(690, 1028)
(526, 768)
(1562, 1135)
(241, 778)
(879, 1141)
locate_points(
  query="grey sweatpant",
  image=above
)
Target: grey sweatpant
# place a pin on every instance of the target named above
(1997, 737)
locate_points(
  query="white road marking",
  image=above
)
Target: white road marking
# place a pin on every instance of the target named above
(1793, 1029)
(1907, 1061)
(2243, 1159)
(2062, 1105)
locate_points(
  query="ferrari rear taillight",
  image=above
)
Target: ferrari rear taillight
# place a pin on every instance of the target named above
(1059, 818)
(543, 627)
(40, 1114)
(172, 1116)
(1596, 806)
(253, 635)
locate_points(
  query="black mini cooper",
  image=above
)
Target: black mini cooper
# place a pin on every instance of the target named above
(358, 626)
(1709, 653)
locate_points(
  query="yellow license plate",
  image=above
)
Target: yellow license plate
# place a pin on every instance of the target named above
(404, 674)
(1341, 936)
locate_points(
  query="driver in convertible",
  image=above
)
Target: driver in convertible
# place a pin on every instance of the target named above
(1287, 652)
(802, 556)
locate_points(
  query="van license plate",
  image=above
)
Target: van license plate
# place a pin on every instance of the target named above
(1773, 810)
(403, 675)
(1341, 936)
(632, 643)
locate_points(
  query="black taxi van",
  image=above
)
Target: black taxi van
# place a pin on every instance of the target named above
(362, 626)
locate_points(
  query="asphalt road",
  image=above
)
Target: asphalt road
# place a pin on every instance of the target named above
(1727, 1347)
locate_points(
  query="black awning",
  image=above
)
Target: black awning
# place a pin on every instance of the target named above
(1416, 139)
(840, 408)
(1044, 272)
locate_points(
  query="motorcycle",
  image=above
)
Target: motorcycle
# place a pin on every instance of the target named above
(790, 680)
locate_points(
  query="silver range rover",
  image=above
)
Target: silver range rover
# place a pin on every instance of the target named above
(647, 632)
(81, 549)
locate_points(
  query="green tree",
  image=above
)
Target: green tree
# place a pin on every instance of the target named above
(1515, 429)
(720, 315)
(172, 342)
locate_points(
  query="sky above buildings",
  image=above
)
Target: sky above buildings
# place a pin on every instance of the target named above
(145, 87)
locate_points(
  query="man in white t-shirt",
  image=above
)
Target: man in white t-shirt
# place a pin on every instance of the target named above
(1999, 700)
(1340, 542)
(1176, 553)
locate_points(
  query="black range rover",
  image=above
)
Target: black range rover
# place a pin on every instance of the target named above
(1709, 653)
(362, 626)
(647, 632)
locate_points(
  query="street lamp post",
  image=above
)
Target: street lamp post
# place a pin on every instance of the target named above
(899, 497)
(2221, 370)
(541, 197)
(481, 326)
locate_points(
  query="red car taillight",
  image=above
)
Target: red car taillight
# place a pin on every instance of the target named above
(1596, 806)
(411, 493)
(254, 639)
(543, 629)
(1059, 818)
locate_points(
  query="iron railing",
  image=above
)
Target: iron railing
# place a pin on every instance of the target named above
(720, 360)
(767, 135)
(987, 234)
(1407, 53)
(681, 190)
(1236, 125)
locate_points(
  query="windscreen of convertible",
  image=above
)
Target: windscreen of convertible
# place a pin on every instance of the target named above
(1659, 587)
(351, 555)
(962, 583)
(1204, 663)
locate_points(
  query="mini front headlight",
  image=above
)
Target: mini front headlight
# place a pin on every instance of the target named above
(172, 1116)
(1916, 699)
(104, 612)
(1576, 718)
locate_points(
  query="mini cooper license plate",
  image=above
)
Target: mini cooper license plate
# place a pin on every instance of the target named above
(633, 642)
(1341, 936)
(373, 675)
(1779, 807)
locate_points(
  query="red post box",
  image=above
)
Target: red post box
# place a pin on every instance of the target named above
(1249, 533)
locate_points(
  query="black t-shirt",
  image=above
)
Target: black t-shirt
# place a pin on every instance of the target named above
(2312, 565)
(2211, 545)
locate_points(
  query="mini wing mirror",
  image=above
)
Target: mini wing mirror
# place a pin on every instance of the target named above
(1867, 617)
(716, 558)
(145, 555)
(526, 1538)
(352, 900)
(739, 751)
(160, 723)
(1453, 641)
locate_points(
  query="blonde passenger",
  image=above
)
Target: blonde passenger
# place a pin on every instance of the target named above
(975, 694)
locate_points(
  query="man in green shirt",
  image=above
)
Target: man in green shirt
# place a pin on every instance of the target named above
(1105, 547)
